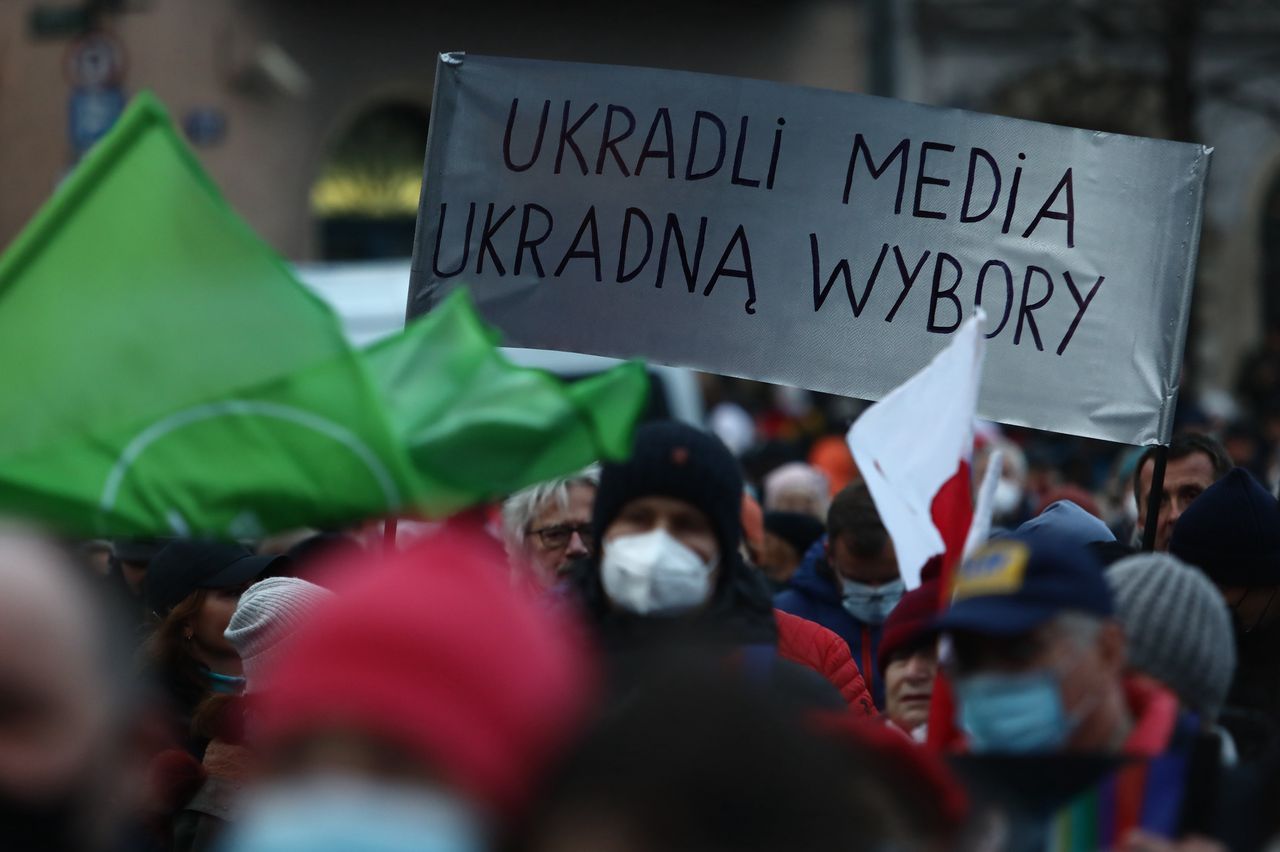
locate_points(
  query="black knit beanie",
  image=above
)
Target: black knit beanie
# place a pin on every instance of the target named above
(795, 528)
(1232, 533)
(672, 459)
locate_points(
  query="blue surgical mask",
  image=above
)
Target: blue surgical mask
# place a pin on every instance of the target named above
(871, 604)
(340, 814)
(1013, 713)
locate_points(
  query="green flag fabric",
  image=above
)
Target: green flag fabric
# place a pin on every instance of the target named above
(484, 423)
(165, 373)
(164, 362)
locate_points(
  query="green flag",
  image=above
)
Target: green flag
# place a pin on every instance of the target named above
(166, 373)
(477, 427)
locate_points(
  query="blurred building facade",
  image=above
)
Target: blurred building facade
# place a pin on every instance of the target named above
(1198, 70)
(312, 116)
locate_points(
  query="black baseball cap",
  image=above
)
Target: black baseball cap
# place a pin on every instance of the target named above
(185, 565)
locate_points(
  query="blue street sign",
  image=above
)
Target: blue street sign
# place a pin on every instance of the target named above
(205, 126)
(90, 114)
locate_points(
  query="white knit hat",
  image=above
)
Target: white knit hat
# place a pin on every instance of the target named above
(268, 612)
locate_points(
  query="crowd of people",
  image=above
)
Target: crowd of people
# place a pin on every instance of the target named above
(707, 645)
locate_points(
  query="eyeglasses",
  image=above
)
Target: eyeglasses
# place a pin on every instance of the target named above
(556, 537)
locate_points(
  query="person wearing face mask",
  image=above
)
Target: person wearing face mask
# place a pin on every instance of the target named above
(1009, 502)
(849, 582)
(192, 588)
(267, 614)
(1231, 532)
(415, 710)
(1031, 629)
(670, 569)
(1037, 662)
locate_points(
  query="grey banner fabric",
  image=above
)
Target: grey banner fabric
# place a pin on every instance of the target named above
(813, 238)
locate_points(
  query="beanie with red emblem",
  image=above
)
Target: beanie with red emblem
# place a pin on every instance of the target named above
(672, 459)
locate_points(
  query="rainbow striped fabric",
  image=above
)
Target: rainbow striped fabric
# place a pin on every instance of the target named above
(1145, 794)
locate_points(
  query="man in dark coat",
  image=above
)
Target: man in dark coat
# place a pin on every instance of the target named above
(849, 581)
(1232, 533)
(669, 570)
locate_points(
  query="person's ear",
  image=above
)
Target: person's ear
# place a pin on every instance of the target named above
(1113, 647)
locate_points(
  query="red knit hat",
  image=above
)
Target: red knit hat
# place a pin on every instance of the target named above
(909, 622)
(434, 651)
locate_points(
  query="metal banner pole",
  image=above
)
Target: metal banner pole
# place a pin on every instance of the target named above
(1154, 498)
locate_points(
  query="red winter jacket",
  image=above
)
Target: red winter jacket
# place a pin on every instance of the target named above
(814, 646)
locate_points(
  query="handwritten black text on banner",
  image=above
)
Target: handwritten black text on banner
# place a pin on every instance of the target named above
(813, 238)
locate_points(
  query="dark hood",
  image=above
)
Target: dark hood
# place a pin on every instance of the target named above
(814, 577)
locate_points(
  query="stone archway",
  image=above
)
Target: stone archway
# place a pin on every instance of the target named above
(365, 199)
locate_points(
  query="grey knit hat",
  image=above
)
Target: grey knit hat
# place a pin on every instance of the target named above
(268, 612)
(1178, 626)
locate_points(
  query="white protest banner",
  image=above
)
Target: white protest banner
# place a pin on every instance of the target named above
(812, 238)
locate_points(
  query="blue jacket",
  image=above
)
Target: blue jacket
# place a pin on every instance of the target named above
(814, 594)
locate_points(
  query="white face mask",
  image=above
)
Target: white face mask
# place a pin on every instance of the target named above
(654, 574)
(871, 604)
(1007, 498)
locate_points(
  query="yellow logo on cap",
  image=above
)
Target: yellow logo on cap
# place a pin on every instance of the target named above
(996, 569)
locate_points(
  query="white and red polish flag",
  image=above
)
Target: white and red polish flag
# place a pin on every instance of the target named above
(914, 448)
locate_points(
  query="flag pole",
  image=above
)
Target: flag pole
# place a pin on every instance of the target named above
(1155, 497)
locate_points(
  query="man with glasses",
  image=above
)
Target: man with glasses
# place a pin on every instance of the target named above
(547, 526)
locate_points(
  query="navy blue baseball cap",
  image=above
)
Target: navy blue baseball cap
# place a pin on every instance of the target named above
(1013, 585)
